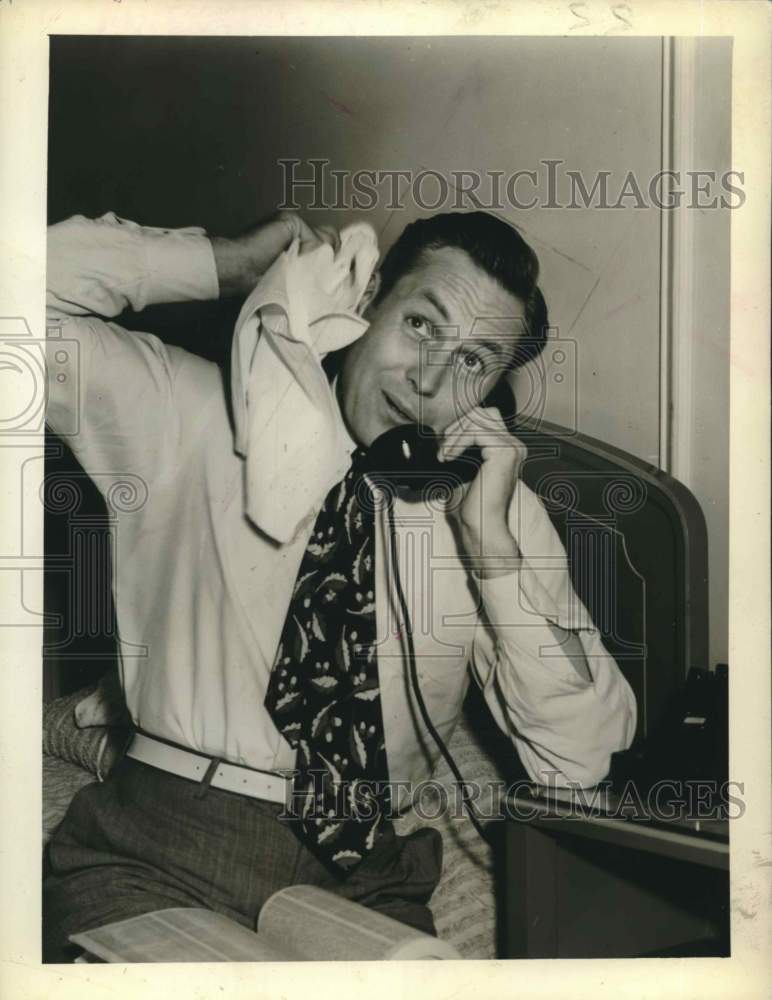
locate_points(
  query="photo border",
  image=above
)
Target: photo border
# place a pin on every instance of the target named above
(24, 29)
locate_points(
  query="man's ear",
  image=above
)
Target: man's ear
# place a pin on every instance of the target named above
(370, 292)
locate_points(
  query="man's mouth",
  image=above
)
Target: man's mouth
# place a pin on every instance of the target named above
(401, 415)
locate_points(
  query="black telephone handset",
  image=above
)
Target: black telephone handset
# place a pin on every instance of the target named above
(406, 456)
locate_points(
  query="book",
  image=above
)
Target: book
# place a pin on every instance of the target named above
(298, 924)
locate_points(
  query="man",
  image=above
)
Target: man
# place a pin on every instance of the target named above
(245, 667)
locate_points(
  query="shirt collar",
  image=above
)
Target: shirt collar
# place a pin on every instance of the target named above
(347, 442)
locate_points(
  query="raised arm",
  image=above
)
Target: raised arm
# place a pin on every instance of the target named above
(102, 266)
(99, 267)
(123, 399)
(112, 392)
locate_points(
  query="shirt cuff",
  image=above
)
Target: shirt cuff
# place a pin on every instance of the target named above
(180, 265)
(520, 610)
(520, 595)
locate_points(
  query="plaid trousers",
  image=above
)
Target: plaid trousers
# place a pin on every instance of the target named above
(146, 840)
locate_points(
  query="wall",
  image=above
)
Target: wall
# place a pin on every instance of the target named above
(702, 385)
(189, 131)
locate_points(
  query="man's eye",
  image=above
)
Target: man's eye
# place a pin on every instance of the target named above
(471, 362)
(418, 323)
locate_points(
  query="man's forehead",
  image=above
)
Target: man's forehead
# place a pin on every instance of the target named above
(459, 294)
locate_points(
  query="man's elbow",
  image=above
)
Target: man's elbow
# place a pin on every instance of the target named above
(591, 764)
(616, 735)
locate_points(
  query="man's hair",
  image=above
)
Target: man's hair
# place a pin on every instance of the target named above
(495, 246)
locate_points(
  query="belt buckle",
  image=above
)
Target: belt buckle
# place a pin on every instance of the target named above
(206, 781)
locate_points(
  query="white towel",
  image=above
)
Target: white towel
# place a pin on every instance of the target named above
(287, 422)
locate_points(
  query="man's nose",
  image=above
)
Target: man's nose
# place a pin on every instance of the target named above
(429, 373)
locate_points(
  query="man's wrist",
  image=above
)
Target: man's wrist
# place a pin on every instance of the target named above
(233, 266)
(493, 550)
(492, 567)
(242, 260)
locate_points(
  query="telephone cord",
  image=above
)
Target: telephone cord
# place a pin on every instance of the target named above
(413, 675)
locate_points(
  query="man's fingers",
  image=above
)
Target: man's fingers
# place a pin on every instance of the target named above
(293, 222)
(456, 433)
(482, 426)
(328, 234)
(313, 237)
(310, 236)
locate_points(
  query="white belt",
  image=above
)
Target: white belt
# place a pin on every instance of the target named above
(196, 767)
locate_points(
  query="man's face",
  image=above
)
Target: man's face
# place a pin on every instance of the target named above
(435, 347)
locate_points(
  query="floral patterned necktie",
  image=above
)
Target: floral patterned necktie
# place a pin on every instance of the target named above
(323, 693)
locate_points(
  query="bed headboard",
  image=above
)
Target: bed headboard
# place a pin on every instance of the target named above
(638, 554)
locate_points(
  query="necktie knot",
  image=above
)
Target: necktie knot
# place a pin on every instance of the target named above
(359, 463)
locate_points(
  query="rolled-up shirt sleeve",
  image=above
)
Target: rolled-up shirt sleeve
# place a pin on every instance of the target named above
(565, 726)
(110, 390)
(102, 266)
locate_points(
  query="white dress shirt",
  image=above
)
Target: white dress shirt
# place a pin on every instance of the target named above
(201, 595)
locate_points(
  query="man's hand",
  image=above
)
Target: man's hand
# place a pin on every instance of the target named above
(481, 515)
(241, 260)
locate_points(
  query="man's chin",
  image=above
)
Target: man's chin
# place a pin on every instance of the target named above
(372, 434)
(362, 434)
